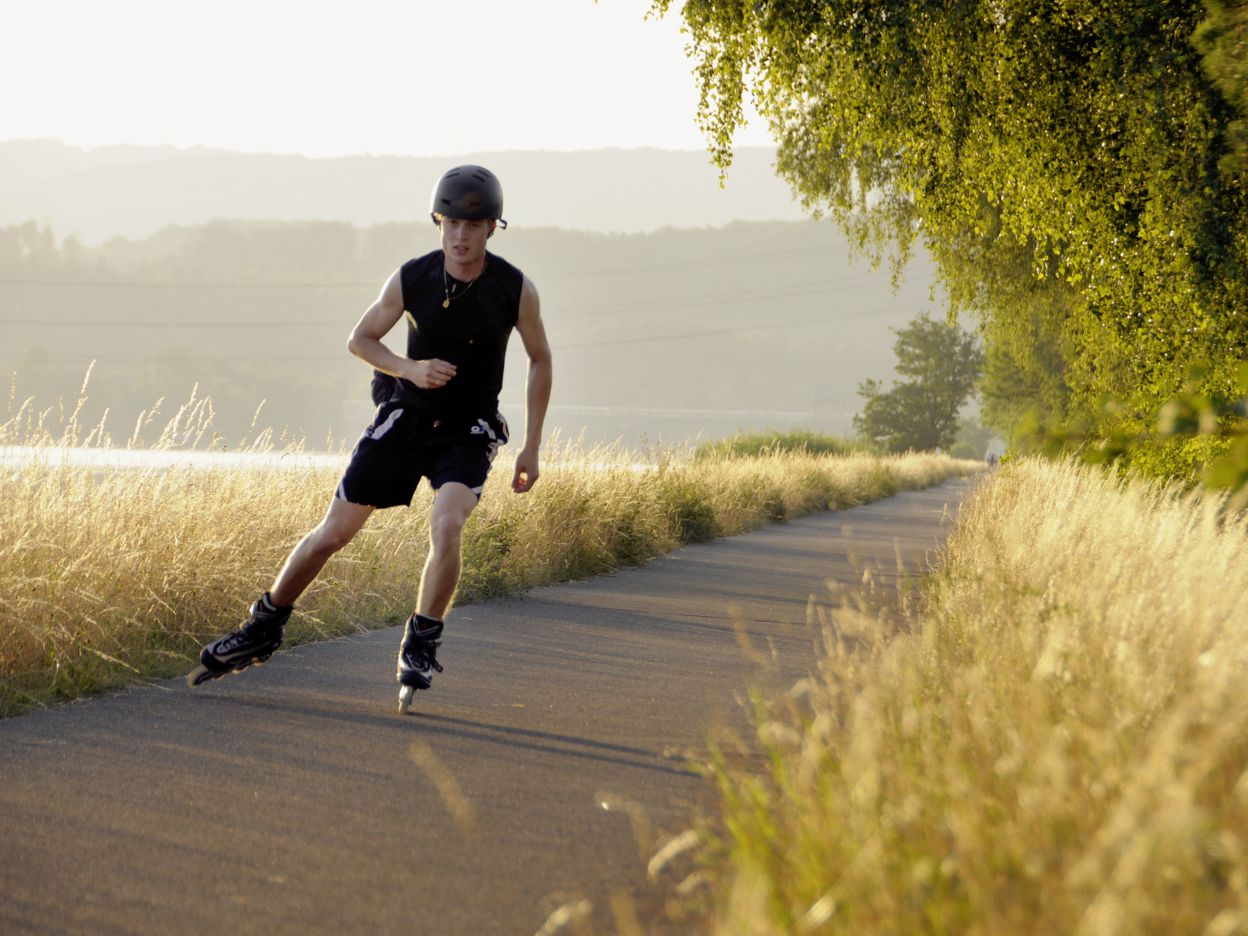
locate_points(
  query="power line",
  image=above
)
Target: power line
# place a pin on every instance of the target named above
(157, 357)
(716, 332)
(788, 291)
(625, 270)
(607, 342)
(134, 284)
(690, 263)
(853, 280)
(150, 323)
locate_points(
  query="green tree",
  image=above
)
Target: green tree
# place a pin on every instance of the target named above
(942, 363)
(1023, 378)
(1076, 161)
(1223, 38)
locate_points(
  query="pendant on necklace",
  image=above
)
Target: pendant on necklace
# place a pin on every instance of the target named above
(446, 303)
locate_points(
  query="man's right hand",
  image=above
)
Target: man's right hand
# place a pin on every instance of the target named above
(431, 374)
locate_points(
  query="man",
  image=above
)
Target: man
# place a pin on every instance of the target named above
(437, 418)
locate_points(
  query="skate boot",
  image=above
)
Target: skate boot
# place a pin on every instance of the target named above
(418, 657)
(254, 642)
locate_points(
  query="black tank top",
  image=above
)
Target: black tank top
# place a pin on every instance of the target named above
(471, 333)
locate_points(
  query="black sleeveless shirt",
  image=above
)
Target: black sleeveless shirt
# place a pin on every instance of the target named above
(471, 333)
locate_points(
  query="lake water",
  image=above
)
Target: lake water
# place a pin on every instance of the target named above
(166, 458)
(101, 458)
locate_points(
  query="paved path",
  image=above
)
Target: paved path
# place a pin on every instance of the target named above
(293, 798)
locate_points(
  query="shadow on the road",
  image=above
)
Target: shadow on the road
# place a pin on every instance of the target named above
(561, 739)
(530, 739)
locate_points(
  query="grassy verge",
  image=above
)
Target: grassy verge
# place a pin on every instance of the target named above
(775, 442)
(114, 575)
(1056, 742)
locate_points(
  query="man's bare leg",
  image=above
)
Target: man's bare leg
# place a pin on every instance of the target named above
(452, 506)
(342, 521)
(256, 641)
(422, 634)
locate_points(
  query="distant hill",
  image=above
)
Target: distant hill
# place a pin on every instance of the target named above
(134, 191)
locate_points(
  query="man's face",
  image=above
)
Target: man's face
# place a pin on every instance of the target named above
(464, 241)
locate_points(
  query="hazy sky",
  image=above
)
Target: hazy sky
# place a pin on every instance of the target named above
(407, 77)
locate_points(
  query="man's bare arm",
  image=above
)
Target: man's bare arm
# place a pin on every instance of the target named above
(537, 387)
(376, 322)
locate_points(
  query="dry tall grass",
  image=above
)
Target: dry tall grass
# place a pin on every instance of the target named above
(111, 575)
(1057, 742)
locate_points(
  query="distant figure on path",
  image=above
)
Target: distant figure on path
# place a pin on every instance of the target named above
(437, 418)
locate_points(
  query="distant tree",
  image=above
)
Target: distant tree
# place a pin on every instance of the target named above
(974, 439)
(942, 363)
(29, 249)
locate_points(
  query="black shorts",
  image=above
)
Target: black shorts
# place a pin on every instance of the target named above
(404, 444)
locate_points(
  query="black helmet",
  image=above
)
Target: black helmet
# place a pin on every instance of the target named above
(471, 193)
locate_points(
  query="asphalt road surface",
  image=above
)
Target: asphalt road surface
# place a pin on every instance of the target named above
(543, 769)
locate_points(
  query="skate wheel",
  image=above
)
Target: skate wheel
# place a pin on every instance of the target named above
(200, 675)
(405, 698)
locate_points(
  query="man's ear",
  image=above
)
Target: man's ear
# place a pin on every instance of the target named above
(493, 228)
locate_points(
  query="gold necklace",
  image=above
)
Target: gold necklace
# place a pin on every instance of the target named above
(446, 287)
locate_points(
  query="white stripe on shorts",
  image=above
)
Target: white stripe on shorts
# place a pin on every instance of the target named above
(387, 425)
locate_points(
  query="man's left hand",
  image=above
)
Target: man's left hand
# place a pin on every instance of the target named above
(526, 471)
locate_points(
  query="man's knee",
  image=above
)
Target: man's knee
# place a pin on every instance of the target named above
(338, 527)
(331, 537)
(446, 531)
